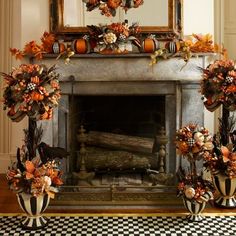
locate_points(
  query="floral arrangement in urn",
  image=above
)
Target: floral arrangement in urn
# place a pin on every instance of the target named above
(117, 37)
(192, 143)
(109, 7)
(36, 176)
(218, 87)
(195, 189)
(33, 90)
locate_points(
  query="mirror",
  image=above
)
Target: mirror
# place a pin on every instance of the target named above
(160, 16)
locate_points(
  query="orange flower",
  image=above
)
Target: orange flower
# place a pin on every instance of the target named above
(113, 3)
(57, 181)
(182, 147)
(29, 165)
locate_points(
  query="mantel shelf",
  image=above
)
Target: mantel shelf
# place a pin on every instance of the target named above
(125, 55)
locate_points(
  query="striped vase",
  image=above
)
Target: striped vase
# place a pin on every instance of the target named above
(227, 188)
(33, 207)
(195, 208)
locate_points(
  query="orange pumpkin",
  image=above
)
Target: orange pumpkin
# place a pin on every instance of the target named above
(150, 45)
(58, 47)
(35, 96)
(81, 46)
(35, 80)
(173, 46)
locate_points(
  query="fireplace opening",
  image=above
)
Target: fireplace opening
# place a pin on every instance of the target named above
(128, 115)
(115, 140)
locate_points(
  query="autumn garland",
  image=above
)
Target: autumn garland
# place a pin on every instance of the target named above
(34, 49)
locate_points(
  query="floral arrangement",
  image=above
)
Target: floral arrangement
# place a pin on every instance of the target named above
(193, 142)
(218, 85)
(223, 159)
(31, 90)
(33, 49)
(38, 173)
(196, 189)
(109, 7)
(36, 179)
(116, 37)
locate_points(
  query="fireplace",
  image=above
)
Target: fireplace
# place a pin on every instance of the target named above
(123, 98)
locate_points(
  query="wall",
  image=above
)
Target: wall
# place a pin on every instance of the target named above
(20, 21)
(230, 27)
(25, 20)
(198, 16)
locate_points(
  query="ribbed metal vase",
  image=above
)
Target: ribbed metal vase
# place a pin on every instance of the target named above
(33, 207)
(227, 188)
(195, 208)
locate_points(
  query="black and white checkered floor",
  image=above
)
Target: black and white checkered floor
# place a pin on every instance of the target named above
(123, 226)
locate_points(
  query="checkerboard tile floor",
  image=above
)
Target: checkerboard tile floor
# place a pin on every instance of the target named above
(123, 226)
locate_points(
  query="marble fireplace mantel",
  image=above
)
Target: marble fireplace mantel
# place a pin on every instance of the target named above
(129, 68)
(130, 75)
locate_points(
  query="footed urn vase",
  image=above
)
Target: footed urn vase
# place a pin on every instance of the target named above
(33, 207)
(195, 208)
(226, 188)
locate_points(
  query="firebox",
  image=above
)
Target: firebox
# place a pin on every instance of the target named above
(120, 138)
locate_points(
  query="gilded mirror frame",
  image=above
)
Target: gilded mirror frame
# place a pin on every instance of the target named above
(171, 31)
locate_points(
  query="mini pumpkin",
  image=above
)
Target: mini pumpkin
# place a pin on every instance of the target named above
(35, 96)
(80, 46)
(58, 47)
(173, 46)
(35, 80)
(150, 45)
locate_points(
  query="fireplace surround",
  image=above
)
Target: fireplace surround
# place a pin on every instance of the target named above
(110, 77)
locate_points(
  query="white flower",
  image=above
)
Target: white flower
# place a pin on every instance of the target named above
(189, 192)
(199, 138)
(46, 180)
(109, 38)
